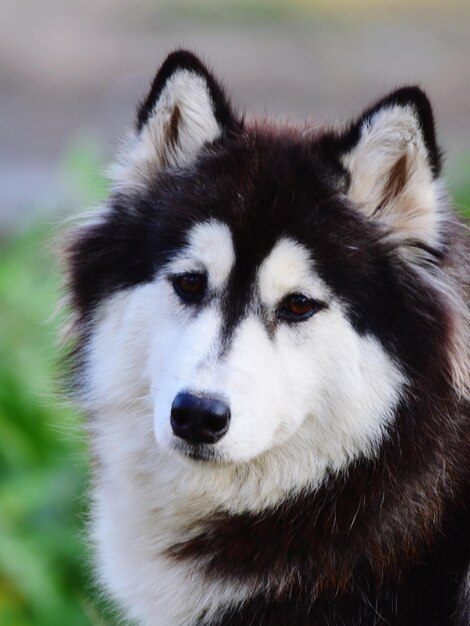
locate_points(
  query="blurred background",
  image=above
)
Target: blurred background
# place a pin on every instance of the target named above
(70, 76)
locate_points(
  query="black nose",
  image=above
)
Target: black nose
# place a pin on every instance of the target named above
(199, 418)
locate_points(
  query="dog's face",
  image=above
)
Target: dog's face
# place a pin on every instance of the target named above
(246, 349)
(247, 288)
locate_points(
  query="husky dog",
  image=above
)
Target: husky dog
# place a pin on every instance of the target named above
(271, 330)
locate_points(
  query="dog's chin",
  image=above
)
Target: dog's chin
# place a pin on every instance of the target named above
(202, 454)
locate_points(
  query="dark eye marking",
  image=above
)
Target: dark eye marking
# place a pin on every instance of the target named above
(190, 287)
(296, 308)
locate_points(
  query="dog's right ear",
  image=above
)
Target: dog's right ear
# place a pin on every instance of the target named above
(185, 109)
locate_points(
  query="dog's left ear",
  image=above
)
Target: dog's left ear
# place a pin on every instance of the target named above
(185, 109)
(392, 163)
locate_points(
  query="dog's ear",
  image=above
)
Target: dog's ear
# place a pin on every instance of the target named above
(185, 109)
(392, 166)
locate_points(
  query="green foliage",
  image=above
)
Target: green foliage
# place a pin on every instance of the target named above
(460, 177)
(44, 565)
(82, 170)
(42, 467)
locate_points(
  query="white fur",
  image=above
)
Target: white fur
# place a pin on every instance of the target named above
(306, 401)
(413, 214)
(288, 269)
(144, 154)
(210, 247)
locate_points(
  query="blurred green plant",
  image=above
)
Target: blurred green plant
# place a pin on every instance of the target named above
(42, 460)
(44, 561)
(460, 182)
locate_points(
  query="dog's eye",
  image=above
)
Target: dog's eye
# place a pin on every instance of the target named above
(190, 287)
(297, 307)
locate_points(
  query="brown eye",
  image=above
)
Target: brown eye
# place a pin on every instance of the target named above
(297, 307)
(190, 287)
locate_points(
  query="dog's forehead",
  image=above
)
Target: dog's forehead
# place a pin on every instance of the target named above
(211, 244)
(262, 187)
(288, 265)
(263, 214)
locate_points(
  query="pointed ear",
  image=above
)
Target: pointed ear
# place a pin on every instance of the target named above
(392, 164)
(185, 109)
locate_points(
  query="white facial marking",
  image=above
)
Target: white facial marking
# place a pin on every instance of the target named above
(184, 357)
(288, 269)
(181, 363)
(209, 248)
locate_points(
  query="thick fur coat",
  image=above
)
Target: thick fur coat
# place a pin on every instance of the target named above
(309, 286)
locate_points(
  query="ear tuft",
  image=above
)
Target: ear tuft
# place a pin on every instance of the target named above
(412, 98)
(183, 60)
(392, 163)
(185, 109)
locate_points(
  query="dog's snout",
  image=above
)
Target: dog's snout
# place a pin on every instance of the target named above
(199, 418)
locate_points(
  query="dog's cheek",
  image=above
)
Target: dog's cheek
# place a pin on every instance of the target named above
(358, 389)
(339, 387)
(287, 390)
(116, 357)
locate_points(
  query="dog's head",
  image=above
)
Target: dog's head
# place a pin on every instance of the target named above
(252, 287)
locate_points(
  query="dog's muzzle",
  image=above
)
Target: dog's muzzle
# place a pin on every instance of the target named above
(199, 418)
